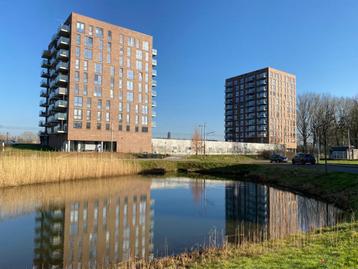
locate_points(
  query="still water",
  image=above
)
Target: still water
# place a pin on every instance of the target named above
(97, 223)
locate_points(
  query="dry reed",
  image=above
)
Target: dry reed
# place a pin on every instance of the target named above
(20, 169)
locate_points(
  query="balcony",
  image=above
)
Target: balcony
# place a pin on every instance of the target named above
(53, 62)
(42, 113)
(53, 50)
(42, 123)
(64, 30)
(154, 73)
(60, 129)
(58, 117)
(154, 113)
(46, 54)
(154, 52)
(43, 93)
(45, 63)
(53, 73)
(154, 83)
(60, 80)
(58, 93)
(154, 62)
(62, 66)
(154, 93)
(62, 54)
(154, 124)
(45, 74)
(63, 42)
(154, 103)
(43, 103)
(59, 104)
(44, 83)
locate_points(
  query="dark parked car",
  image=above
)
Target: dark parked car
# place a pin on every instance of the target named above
(278, 158)
(303, 158)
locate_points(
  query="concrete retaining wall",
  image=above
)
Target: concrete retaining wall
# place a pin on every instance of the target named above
(184, 147)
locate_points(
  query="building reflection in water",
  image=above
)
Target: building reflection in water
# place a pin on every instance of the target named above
(96, 232)
(256, 212)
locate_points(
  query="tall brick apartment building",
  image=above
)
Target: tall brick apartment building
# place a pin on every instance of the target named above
(260, 107)
(98, 88)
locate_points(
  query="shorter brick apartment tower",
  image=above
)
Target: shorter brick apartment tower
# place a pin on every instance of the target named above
(260, 107)
(98, 88)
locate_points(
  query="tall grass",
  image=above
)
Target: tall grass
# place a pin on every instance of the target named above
(18, 168)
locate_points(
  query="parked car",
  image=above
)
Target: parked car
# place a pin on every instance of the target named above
(278, 158)
(304, 158)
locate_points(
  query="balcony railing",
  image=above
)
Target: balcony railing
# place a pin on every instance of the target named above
(60, 104)
(154, 73)
(60, 79)
(62, 54)
(154, 103)
(61, 66)
(42, 113)
(64, 30)
(154, 62)
(58, 93)
(63, 42)
(46, 54)
(45, 74)
(42, 123)
(154, 113)
(43, 103)
(60, 129)
(154, 52)
(154, 93)
(58, 117)
(43, 93)
(154, 83)
(44, 83)
(154, 124)
(45, 63)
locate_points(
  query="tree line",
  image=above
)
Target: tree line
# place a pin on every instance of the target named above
(324, 121)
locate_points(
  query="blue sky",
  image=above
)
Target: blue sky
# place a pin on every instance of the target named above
(200, 43)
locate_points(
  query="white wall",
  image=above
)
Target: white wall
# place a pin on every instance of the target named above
(183, 146)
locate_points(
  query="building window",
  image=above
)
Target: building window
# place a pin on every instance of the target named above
(89, 42)
(139, 65)
(109, 35)
(108, 117)
(99, 104)
(131, 41)
(78, 39)
(78, 101)
(85, 65)
(145, 129)
(77, 124)
(129, 97)
(128, 128)
(130, 74)
(129, 85)
(108, 104)
(88, 54)
(98, 126)
(77, 89)
(78, 52)
(119, 127)
(85, 77)
(108, 126)
(77, 114)
(88, 102)
(97, 79)
(99, 115)
(80, 27)
(145, 45)
(97, 91)
(138, 54)
(88, 125)
(99, 32)
(77, 76)
(98, 68)
(88, 115)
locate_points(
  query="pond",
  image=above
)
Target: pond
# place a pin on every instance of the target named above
(98, 223)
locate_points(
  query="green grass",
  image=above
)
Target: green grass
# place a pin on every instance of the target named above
(331, 248)
(352, 162)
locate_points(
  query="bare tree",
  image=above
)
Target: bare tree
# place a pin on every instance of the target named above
(196, 141)
(325, 119)
(305, 103)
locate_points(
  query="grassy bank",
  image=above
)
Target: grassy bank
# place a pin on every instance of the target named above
(335, 247)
